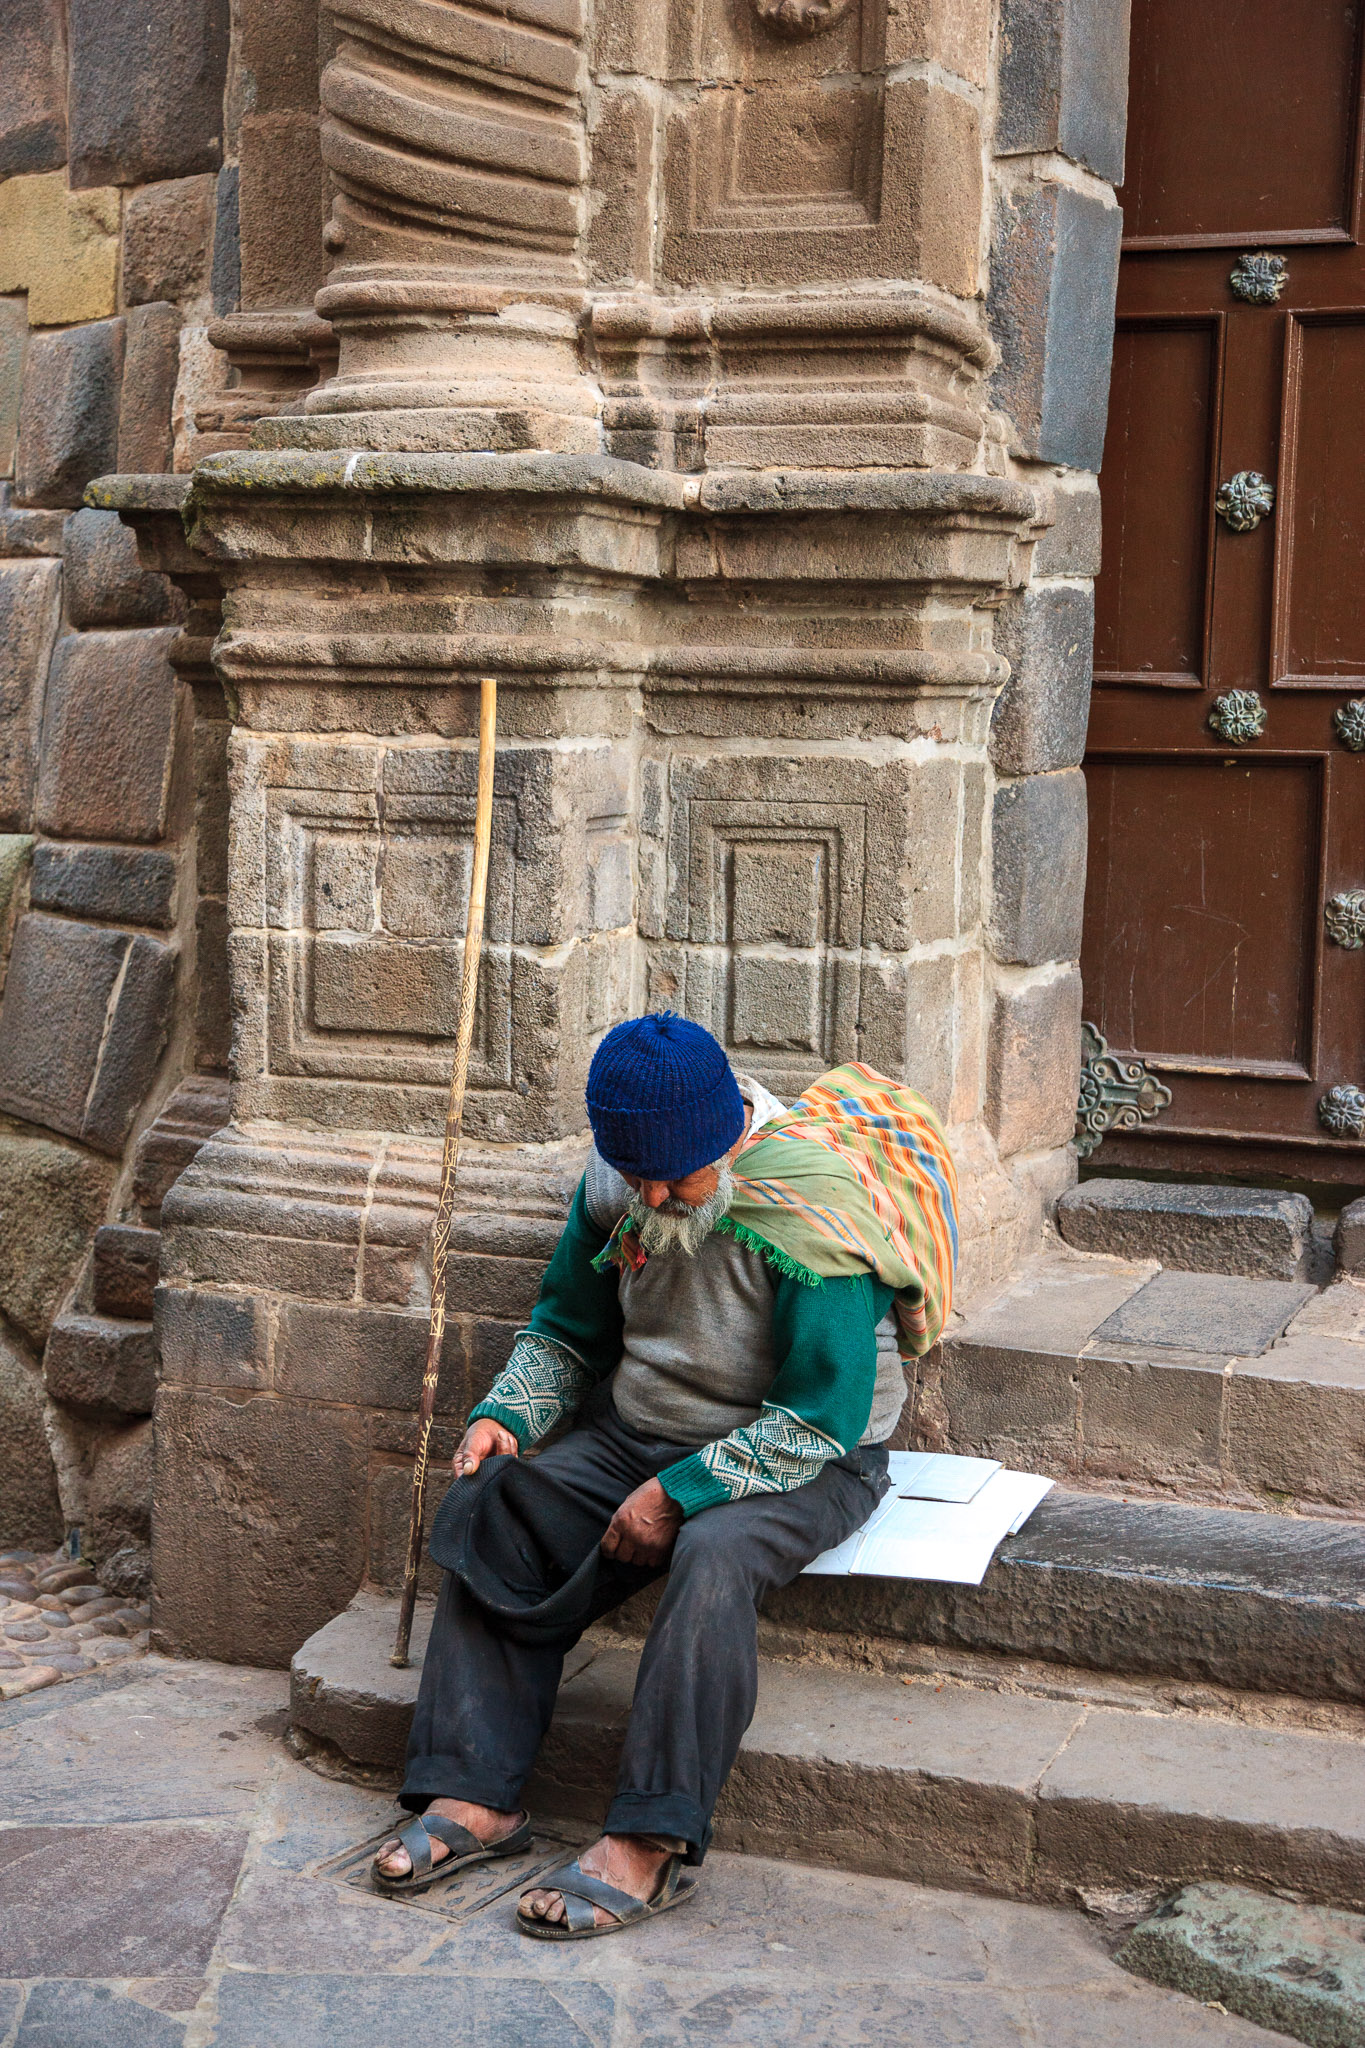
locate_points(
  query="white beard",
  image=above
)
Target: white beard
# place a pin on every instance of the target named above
(681, 1226)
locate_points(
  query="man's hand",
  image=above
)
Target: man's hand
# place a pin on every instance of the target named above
(645, 1526)
(483, 1439)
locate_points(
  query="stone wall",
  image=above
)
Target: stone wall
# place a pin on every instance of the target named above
(728, 379)
(117, 235)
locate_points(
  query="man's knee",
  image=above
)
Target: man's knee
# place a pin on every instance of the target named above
(711, 1559)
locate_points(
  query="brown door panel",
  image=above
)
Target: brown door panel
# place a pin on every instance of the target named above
(1203, 908)
(1243, 122)
(1151, 605)
(1319, 639)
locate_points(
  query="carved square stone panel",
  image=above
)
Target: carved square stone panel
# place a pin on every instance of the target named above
(349, 898)
(772, 918)
(366, 939)
(800, 152)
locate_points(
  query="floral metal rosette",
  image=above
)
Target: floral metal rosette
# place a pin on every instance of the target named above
(1342, 1111)
(1245, 500)
(1349, 720)
(1259, 277)
(1238, 716)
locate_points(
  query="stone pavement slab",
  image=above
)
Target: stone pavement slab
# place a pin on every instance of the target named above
(1205, 1313)
(273, 1955)
(132, 1902)
(1285, 1966)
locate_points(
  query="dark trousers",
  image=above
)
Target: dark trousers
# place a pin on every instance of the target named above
(485, 1701)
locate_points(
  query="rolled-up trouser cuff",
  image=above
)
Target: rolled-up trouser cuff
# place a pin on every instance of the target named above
(450, 1777)
(660, 1813)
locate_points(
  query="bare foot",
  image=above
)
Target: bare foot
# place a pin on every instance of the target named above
(486, 1822)
(631, 1863)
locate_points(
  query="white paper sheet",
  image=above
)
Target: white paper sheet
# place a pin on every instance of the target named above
(930, 1475)
(947, 1541)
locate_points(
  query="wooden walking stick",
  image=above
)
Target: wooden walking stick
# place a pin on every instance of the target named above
(450, 1155)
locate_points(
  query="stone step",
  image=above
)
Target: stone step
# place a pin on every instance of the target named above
(1260, 1233)
(1218, 1596)
(1200, 1385)
(935, 1781)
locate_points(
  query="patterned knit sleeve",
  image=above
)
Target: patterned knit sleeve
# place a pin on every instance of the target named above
(818, 1405)
(541, 1383)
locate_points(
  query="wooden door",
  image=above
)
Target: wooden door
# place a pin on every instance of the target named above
(1216, 946)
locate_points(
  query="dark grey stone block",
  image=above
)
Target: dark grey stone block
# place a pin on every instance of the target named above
(150, 369)
(134, 886)
(108, 732)
(1047, 635)
(146, 89)
(1208, 1313)
(102, 1365)
(167, 236)
(1038, 851)
(85, 1018)
(30, 612)
(106, 585)
(1071, 546)
(125, 1270)
(1348, 1239)
(1299, 1970)
(33, 89)
(211, 1340)
(1265, 1603)
(1064, 81)
(24, 535)
(136, 1038)
(226, 276)
(1054, 273)
(1261, 1233)
(68, 417)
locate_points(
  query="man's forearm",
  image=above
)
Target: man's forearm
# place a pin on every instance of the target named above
(774, 1454)
(541, 1383)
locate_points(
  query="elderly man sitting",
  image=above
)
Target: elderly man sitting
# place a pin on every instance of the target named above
(718, 1318)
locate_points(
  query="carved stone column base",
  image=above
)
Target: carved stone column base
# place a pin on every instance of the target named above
(432, 364)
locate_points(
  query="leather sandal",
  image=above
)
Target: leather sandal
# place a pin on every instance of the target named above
(581, 1892)
(465, 1849)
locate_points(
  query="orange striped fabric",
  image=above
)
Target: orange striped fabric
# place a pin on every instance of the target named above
(857, 1175)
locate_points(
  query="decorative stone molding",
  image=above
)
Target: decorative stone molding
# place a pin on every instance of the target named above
(800, 19)
(872, 379)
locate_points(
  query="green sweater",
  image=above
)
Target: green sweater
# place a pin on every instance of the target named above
(821, 1341)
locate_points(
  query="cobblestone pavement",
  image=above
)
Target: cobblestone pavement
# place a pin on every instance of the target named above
(57, 1623)
(162, 1886)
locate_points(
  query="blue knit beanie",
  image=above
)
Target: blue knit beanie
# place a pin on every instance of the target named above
(662, 1100)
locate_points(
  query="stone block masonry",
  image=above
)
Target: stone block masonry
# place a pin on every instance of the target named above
(112, 729)
(761, 478)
